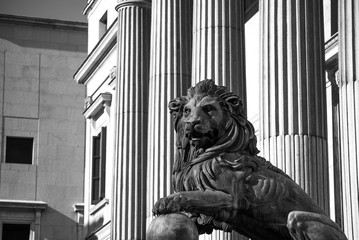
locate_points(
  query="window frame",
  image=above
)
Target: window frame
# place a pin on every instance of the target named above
(98, 177)
(6, 160)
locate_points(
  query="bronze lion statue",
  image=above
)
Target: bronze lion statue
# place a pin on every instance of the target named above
(221, 182)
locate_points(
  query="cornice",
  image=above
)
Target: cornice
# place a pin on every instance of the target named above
(103, 47)
(43, 22)
(89, 6)
(20, 204)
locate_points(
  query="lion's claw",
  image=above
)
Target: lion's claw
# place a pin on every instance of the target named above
(167, 205)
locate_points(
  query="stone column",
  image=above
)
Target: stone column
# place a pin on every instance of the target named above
(170, 77)
(292, 88)
(133, 44)
(218, 43)
(219, 53)
(349, 112)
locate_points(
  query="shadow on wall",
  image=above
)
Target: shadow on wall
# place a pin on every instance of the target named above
(44, 35)
(96, 224)
(57, 226)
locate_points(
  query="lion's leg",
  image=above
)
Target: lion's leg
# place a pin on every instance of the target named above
(313, 226)
(218, 204)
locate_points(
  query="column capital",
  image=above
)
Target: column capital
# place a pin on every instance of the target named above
(129, 3)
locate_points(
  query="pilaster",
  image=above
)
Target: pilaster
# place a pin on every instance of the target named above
(170, 77)
(133, 43)
(349, 112)
(292, 89)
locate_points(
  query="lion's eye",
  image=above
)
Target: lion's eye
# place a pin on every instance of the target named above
(208, 108)
(187, 111)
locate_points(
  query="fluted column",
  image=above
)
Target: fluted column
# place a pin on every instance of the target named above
(170, 77)
(218, 43)
(133, 40)
(349, 112)
(292, 90)
(219, 53)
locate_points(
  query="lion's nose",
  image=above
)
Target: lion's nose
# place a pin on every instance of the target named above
(190, 126)
(194, 122)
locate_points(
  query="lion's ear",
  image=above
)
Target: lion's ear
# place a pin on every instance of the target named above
(176, 104)
(176, 107)
(234, 102)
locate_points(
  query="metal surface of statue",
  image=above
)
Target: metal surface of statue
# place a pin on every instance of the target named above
(174, 226)
(222, 183)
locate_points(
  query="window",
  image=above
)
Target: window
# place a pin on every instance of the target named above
(334, 16)
(19, 150)
(103, 25)
(98, 166)
(11, 211)
(15, 231)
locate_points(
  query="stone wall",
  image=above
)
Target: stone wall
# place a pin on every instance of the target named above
(39, 99)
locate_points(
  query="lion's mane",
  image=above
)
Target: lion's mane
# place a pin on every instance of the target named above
(240, 136)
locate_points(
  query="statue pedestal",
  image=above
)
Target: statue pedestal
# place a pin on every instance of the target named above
(174, 226)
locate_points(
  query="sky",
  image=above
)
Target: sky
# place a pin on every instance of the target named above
(70, 10)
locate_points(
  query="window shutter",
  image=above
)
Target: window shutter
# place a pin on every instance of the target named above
(99, 167)
(96, 166)
(103, 163)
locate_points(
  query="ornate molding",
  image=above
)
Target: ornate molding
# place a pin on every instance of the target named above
(331, 59)
(130, 3)
(112, 76)
(79, 207)
(104, 99)
(331, 43)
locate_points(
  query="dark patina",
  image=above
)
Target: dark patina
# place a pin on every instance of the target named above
(222, 183)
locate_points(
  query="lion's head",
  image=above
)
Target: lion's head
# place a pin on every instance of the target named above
(209, 120)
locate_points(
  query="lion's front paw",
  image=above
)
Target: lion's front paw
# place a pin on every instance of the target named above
(167, 205)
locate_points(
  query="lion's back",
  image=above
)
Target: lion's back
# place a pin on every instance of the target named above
(279, 194)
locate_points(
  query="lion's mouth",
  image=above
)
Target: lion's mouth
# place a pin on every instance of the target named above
(197, 136)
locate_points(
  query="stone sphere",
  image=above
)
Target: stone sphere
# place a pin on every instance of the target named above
(172, 226)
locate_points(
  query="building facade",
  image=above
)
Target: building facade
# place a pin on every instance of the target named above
(42, 128)
(142, 54)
